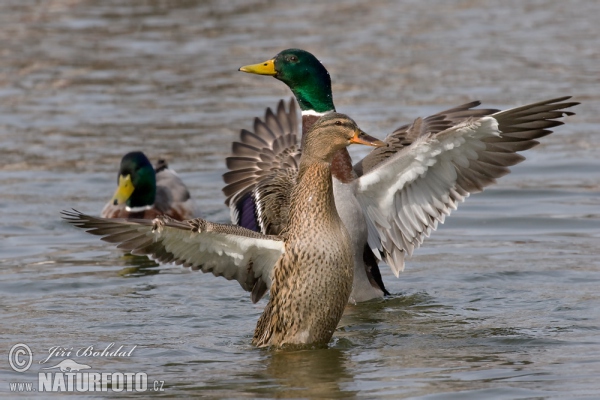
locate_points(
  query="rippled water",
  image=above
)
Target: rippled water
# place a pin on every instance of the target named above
(502, 301)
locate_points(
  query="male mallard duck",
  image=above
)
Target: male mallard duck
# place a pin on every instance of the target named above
(308, 267)
(146, 192)
(395, 197)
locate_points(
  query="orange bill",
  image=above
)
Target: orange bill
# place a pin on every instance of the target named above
(361, 137)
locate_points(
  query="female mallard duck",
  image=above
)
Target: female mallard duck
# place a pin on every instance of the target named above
(308, 267)
(395, 197)
(147, 192)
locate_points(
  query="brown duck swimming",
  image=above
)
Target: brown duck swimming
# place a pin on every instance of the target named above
(308, 267)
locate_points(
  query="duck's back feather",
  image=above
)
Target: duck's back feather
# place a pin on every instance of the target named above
(172, 195)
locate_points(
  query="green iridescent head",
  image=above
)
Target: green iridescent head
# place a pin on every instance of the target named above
(303, 74)
(137, 181)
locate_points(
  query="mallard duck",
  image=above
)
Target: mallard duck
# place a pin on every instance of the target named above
(146, 192)
(395, 197)
(308, 267)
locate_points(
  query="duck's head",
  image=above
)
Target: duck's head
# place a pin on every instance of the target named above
(332, 132)
(137, 181)
(305, 76)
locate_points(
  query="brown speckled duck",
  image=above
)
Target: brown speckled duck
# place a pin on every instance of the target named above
(308, 267)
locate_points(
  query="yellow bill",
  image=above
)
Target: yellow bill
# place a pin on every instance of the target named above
(124, 190)
(263, 68)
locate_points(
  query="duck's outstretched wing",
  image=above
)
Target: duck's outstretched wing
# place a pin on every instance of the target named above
(406, 134)
(262, 171)
(406, 195)
(229, 251)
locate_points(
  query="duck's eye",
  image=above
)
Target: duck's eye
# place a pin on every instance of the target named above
(293, 58)
(338, 123)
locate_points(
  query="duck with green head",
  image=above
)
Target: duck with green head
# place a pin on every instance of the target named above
(146, 192)
(394, 197)
(308, 80)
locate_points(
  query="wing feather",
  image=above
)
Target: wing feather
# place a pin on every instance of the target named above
(262, 171)
(272, 145)
(223, 250)
(415, 185)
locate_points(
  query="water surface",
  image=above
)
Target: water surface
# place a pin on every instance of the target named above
(501, 302)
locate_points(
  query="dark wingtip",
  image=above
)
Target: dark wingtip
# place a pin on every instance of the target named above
(373, 272)
(74, 217)
(70, 214)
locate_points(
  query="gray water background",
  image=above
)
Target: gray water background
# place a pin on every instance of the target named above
(501, 302)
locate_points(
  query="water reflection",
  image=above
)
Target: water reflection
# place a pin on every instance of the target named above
(139, 266)
(316, 373)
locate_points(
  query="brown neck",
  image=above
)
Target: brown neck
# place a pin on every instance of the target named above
(341, 166)
(312, 196)
(307, 122)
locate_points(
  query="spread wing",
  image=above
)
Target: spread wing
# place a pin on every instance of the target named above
(406, 134)
(224, 250)
(262, 171)
(407, 194)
